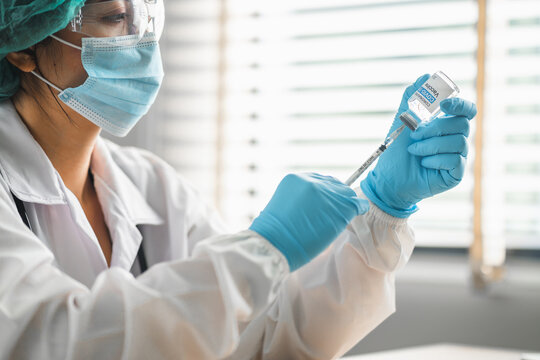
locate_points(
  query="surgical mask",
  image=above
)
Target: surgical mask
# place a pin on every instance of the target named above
(124, 78)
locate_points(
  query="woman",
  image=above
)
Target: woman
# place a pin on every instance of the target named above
(81, 219)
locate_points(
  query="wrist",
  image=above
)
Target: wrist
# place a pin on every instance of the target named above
(370, 191)
(274, 232)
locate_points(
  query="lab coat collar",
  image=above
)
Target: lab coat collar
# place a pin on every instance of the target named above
(26, 168)
(32, 177)
(105, 169)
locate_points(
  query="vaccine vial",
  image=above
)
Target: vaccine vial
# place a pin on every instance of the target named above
(424, 104)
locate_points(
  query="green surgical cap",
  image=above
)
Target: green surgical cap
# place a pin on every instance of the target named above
(24, 23)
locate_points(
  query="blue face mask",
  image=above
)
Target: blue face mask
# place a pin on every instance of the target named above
(123, 81)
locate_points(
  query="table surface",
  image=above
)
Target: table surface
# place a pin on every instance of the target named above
(442, 352)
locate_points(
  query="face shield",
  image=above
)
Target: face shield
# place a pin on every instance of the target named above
(131, 19)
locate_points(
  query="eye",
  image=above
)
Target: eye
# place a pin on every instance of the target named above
(116, 18)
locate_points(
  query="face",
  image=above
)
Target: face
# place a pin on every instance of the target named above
(57, 64)
(61, 64)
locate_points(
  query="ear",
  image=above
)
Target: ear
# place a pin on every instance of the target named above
(22, 60)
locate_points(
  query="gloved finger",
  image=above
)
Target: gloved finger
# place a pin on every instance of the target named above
(362, 206)
(450, 178)
(404, 105)
(450, 144)
(441, 126)
(411, 89)
(334, 186)
(329, 180)
(453, 163)
(346, 194)
(321, 177)
(450, 166)
(459, 106)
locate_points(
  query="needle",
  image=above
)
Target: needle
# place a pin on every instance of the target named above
(387, 142)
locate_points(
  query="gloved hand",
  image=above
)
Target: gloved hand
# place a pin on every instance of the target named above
(423, 163)
(306, 213)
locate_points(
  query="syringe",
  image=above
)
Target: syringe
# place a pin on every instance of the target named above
(387, 142)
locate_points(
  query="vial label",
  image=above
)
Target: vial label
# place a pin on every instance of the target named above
(417, 106)
(425, 102)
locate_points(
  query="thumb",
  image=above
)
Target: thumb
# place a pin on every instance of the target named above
(404, 105)
(411, 89)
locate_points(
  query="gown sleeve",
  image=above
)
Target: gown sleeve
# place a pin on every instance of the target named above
(327, 306)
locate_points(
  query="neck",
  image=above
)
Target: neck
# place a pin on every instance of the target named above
(66, 138)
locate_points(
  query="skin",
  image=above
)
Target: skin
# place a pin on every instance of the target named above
(66, 137)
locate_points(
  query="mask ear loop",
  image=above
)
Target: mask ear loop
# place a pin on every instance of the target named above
(46, 81)
(66, 42)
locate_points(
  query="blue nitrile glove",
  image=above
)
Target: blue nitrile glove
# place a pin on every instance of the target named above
(306, 213)
(423, 163)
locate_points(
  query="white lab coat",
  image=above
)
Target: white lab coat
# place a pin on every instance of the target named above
(208, 295)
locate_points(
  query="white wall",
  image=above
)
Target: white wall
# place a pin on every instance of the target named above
(435, 304)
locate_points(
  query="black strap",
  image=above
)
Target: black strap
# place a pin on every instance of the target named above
(21, 210)
(141, 257)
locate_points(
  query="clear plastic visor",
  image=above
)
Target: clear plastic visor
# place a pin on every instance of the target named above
(114, 18)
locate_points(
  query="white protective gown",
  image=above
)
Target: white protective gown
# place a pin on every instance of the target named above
(208, 295)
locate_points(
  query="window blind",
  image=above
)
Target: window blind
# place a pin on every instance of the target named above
(314, 85)
(511, 208)
(183, 119)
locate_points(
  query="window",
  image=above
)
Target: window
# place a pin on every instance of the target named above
(512, 125)
(256, 89)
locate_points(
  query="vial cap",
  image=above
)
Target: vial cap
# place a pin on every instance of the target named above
(409, 120)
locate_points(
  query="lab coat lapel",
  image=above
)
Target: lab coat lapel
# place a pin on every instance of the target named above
(123, 205)
(30, 175)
